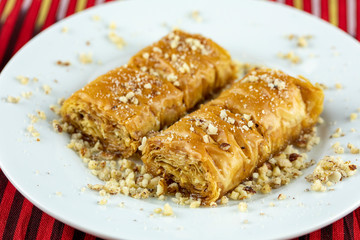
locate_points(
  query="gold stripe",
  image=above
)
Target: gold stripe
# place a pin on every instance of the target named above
(44, 10)
(80, 5)
(298, 4)
(7, 9)
(333, 12)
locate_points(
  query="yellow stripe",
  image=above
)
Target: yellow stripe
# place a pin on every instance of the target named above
(7, 9)
(298, 4)
(333, 12)
(80, 5)
(44, 9)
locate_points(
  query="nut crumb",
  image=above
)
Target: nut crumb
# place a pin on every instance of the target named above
(281, 196)
(64, 29)
(112, 25)
(23, 80)
(103, 201)
(353, 149)
(353, 116)
(157, 210)
(26, 95)
(338, 86)
(147, 86)
(291, 56)
(195, 204)
(11, 99)
(85, 58)
(96, 18)
(338, 133)
(337, 148)
(168, 211)
(116, 39)
(47, 89)
(242, 206)
(212, 130)
(330, 169)
(302, 42)
(196, 16)
(224, 200)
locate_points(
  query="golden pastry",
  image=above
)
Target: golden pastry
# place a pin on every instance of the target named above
(213, 149)
(154, 90)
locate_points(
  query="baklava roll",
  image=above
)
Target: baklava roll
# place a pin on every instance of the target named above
(154, 90)
(192, 63)
(212, 150)
(122, 106)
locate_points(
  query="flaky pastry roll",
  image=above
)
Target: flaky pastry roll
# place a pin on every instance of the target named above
(215, 148)
(122, 106)
(194, 64)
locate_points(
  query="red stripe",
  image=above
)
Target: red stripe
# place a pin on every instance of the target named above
(358, 20)
(5, 206)
(289, 2)
(2, 6)
(27, 28)
(315, 235)
(8, 27)
(356, 226)
(338, 229)
(89, 237)
(23, 220)
(325, 10)
(45, 227)
(307, 5)
(90, 3)
(71, 8)
(68, 233)
(51, 17)
(342, 15)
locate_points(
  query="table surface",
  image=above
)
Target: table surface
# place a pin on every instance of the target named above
(20, 20)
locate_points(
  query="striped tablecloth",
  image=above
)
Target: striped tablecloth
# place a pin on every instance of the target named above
(20, 20)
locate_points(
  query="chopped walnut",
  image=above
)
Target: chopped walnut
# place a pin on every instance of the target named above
(116, 39)
(12, 99)
(330, 169)
(143, 142)
(212, 130)
(168, 210)
(338, 86)
(196, 16)
(206, 138)
(353, 149)
(112, 25)
(147, 86)
(26, 95)
(281, 196)
(96, 18)
(224, 200)
(23, 80)
(290, 56)
(47, 89)
(242, 206)
(64, 29)
(337, 148)
(85, 58)
(353, 116)
(302, 42)
(338, 133)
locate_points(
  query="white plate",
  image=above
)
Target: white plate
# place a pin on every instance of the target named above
(252, 31)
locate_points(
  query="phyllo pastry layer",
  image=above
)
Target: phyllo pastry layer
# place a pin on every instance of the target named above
(154, 90)
(215, 148)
